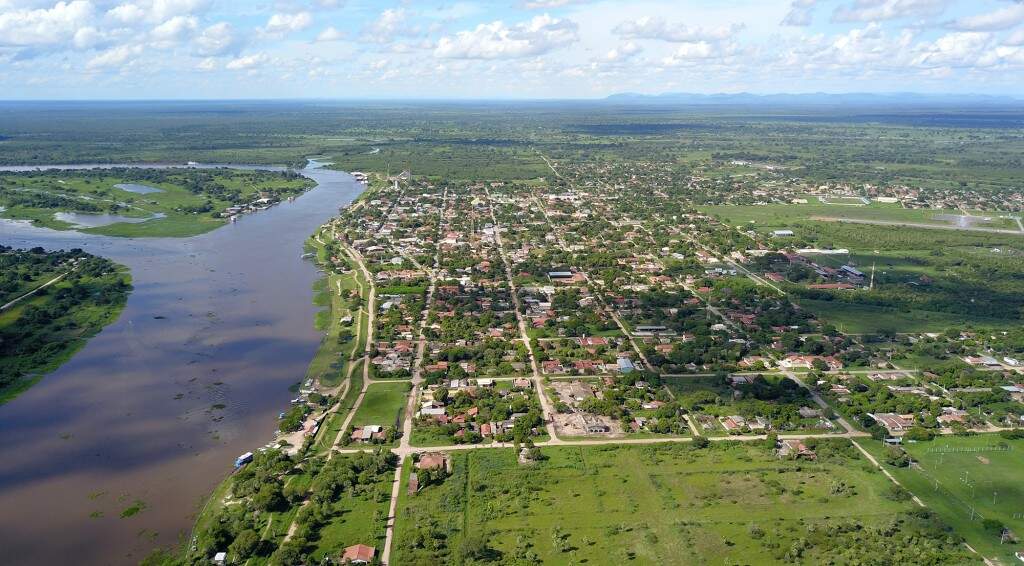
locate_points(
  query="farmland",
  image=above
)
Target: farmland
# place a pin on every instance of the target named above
(731, 503)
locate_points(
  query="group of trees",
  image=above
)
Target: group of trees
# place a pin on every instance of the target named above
(260, 488)
(59, 317)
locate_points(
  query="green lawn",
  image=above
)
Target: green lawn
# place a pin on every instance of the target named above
(956, 474)
(382, 404)
(731, 503)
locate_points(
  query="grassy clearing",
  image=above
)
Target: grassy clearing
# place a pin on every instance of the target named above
(866, 319)
(732, 503)
(956, 474)
(382, 404)
(359, 518)
(332, 426)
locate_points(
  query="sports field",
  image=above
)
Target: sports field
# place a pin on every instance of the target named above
(969, 479)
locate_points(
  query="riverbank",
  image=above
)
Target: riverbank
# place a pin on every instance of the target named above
(155, 407)
(331, 391)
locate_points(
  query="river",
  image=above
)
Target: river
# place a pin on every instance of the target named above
(134, 419)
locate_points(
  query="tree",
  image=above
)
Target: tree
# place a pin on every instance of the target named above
(896, 457)
(701, 442)
(268, 498)
(290, 553)
(244, 545)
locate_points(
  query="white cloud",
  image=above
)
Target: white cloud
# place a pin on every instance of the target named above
(280, 24)
(625, 51)
(330, 34)
(499, 41)
(89, 37)
(44, 26)
(655, 28)
(1003, 18)
(549, 4)
(800, 13)
(247, 62)
(114, 57)
(687, 53)
(127, 14)
(175, 29)
(391, 24)
(879, 10)
(1015, 38)
(155, 11)
(958, 49)
(217, 39)
(208, 64)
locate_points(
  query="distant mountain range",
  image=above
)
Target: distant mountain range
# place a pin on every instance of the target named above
(817, 98)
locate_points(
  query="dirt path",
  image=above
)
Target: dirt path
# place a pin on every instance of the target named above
(34, 291)
(884, 471)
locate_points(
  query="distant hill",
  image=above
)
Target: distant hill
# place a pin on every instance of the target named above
(817, 99)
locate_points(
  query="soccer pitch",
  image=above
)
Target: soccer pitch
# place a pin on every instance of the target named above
(968, 480)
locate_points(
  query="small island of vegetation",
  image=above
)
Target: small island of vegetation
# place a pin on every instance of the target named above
(51, 303)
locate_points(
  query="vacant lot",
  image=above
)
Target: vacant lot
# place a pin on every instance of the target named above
(731, 503)
(983, 473)
(868, 319)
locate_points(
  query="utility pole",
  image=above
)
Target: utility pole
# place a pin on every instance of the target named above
(871, 287)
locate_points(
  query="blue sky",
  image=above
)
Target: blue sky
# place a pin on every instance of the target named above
(108, 49)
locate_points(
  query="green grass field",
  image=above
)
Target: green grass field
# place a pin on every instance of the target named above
(956, 474)
(732, 503)
(867, 319)
(382, 404)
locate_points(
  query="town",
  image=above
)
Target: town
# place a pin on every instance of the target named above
(537, 317)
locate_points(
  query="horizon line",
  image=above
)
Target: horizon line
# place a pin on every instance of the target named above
(664, 96)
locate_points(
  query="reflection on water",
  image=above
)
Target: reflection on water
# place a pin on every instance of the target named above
(157, 406)
(87, 220)
(137, 188)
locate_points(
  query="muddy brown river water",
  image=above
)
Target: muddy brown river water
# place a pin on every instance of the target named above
(224, 318)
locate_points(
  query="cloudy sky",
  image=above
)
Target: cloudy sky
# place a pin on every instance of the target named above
(81, 49)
